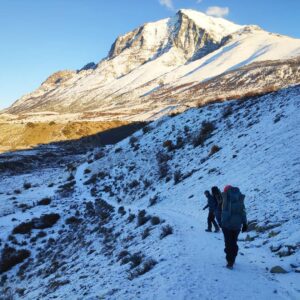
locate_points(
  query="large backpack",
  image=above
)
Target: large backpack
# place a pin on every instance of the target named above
(236, 201)
(233, 214)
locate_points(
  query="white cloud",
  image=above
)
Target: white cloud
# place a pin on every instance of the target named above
(217, 11)
(167, 3)
(199, 1)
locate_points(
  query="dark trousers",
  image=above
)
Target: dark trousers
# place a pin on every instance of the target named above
(231, 246)
(211, 220)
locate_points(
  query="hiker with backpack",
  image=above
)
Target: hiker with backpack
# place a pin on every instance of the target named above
(216, 193)
(211, 205)
(233, 218)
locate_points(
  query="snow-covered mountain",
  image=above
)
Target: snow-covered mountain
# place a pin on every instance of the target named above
(126, 222)
(158, 58)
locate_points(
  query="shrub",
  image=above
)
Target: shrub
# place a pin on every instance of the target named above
(30, 125)
(71, 177)
(24, 207)
(99, 155)
(27, 185)
(142, 218)
(118, 150)
(146, 233)
(87, 171)
(17, 191)
(155, 220)
(179, 142)
(146, 183)
(166, 230)
(23, 228)
(169, 145)
(41, 234)
(45, 221)
(130, 218)
(92, 180)
(205, 133)
(177, 176)
(55, 284)
(131, 167)
(122, 254)
(146, 267)
(133, 140)
(135, 260)
(162, 157)
(52, 123)
(153, 200)
(66, 131)
(214, 149)
(44, 201)
(227, 112)
(146, 129)
(277, 118)
(121, 210)
(73, 221)
(134, 184)
(11, 257)
(186, 129)
(163, 170)
(103, 209)
(67, 188)
(89, 208)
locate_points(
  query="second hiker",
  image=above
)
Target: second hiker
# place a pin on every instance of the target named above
(211, 205)
(216, 193)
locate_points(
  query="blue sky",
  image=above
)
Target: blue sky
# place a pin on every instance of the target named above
(39, 37)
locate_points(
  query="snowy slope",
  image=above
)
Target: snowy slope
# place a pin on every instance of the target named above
(258, 142)
(186, 49)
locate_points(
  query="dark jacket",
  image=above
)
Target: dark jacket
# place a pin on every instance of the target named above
(211, 203)
(233, 209)
(218, 214)
(218, 210)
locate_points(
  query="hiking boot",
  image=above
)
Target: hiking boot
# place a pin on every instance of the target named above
(229, 265)
(217, 230)
(208, 230)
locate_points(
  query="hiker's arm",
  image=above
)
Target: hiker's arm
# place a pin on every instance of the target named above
(205, 207)
(244, 214)
(224, 202)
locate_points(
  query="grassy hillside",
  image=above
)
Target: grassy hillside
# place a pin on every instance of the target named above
(16, 136)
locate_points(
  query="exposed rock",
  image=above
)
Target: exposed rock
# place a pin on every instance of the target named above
(89, 66)
(278, 270)
(59, 78)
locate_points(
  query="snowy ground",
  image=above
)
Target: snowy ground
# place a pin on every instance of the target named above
(258, 141)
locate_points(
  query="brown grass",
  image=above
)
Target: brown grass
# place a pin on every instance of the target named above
(16, 136)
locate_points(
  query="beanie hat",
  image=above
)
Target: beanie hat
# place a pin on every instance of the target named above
(227, 187)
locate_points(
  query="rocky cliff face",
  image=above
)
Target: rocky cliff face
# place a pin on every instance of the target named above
(194, 41)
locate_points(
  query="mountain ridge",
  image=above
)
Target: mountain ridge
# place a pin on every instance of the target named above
(154, 55)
